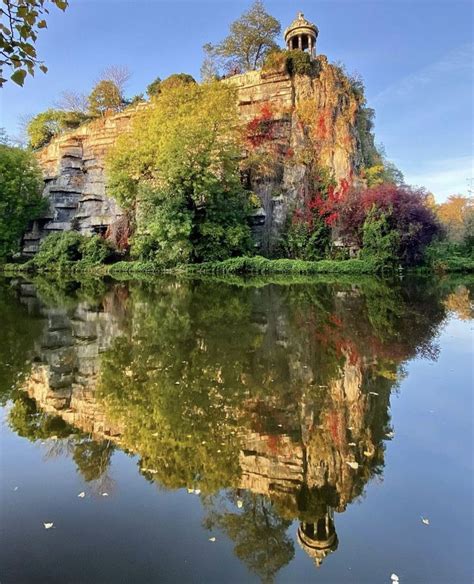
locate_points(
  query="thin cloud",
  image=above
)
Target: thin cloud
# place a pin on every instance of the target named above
(444, 177)
(458, 60)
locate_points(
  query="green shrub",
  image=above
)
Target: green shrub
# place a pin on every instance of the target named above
(380, 242)
(298, 63)
(71, 250)
(294, 62)
(305, 242)
(46, 125)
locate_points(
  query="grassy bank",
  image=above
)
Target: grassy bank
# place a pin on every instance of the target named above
(260, 265)
(256, 265)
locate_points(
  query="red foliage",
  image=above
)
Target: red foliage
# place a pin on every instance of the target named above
(322, 130)
(405, 208)
(325, 204)
(261, 128)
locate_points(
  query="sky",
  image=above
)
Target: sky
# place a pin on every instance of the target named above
(415, 56)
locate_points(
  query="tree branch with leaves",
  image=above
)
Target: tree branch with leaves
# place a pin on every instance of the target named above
(20, 22)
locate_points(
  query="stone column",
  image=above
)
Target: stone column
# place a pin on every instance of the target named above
(300, 42)
(310, 45)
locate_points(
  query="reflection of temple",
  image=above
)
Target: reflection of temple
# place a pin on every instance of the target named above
(318, 539)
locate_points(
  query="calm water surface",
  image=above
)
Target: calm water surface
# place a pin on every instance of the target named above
(242, 431)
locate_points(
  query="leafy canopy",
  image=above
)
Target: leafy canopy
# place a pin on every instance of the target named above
(251, 38)
(43, 127)
(178, 172)
(21, 20)
(105, 97)
(20, 196)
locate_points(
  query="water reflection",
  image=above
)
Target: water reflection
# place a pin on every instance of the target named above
(270, 402)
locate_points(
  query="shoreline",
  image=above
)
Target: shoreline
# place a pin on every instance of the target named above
(247, 265)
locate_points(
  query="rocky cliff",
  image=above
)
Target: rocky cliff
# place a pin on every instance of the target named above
(74, 163)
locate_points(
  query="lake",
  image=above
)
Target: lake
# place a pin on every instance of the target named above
(239, 430)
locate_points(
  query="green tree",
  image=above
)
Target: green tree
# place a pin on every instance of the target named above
(20, 196)
(178, 172)
(105, 97)
(177, 79)
(154, 87)
(251, 38)
(21, 21)
(45, 126)
(379, 240)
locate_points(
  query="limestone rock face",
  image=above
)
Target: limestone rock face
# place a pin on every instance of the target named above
(74, 163)
(75, 181)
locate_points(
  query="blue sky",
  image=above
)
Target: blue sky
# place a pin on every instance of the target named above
(416, 57)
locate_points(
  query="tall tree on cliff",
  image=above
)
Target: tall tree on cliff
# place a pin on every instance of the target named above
(21, 20)
(251, 38)
(105, 97)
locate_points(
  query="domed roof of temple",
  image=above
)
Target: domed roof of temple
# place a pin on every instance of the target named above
(317, 549)
(300, 24)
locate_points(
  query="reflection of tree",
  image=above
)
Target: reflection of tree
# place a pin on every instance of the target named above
(460, 303)
(20, 328)
(259, 533)
(278, 394)
(29, 422)
(93, 460)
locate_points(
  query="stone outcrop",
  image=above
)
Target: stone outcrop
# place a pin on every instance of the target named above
(74, 163)
(75, 182)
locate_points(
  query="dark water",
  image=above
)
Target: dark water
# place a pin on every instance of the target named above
(236, 432)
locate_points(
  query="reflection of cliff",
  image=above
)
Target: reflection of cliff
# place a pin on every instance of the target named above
(66, 360)
(278, 396)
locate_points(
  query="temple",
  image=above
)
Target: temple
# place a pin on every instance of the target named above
(302, 35)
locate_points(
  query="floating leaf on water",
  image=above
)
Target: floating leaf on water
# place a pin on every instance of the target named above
(212, 539)
(15, 488)
(81, 495)
(352, 444)
(190, 490)
(239, 504)
(389, 435)
(368, 453)
(197, 491)
(105, 494)
(395, 578)
(425, 520)
(352, 464)
(48, 525)
(373, 393)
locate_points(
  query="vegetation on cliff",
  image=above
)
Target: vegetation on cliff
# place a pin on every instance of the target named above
(177, 173)
(21, 188)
